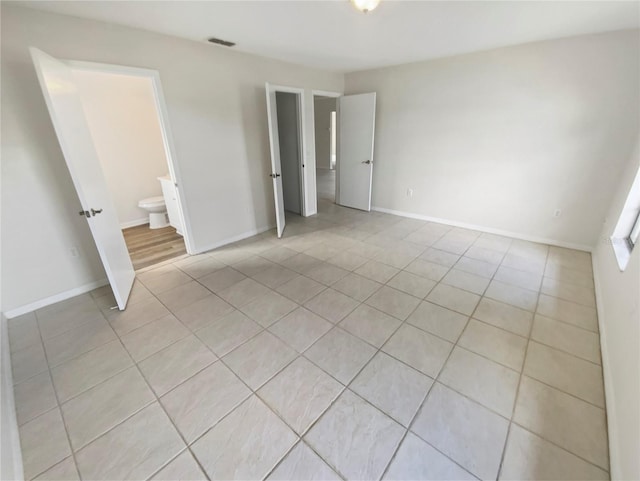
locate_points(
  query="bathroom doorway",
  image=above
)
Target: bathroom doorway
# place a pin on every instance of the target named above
(124, 111)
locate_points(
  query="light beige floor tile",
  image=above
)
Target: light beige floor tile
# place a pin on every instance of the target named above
(466, 281)
(221, 279)
(171, 366)
(303, 464)
(513, 295)
(496, 344)
(393, 302)
(40, 452)
(332, 305)
(574, 425)
(322, 251)
(183, 295)
(75, 376)
(27, 362)
(412, 284)
(355, 438)
(563, 371)
(340, 354)
(561, 310)
(33, 397)
(252, 265)
(300, 393)
(437, 256)
(243, 292)
(136, 448)
(201, 268)
(392, 387)
(452, 244)
(300, 289)
(300, 263)
(229, 332)
(357, 287)
(99, 409)
(571, 258)
(137, 315)
(274, 276)
(268, 308)
(23, 331)
(494, 242)
(492, 385)
(183, 467)
(370, 324)
(259, 359)
(203, 312)
(438, 320)
(158, 284)
(247, 444)
(467, 432)
(569, 276)
(484, 254)
(301, 328)
(74, 343)
(504, 316)
(453, 298)
(347, 260)
(377, 271)
(477, 267)
(514, 277)
(423, 351)
(278, 253)
(201, 401)
(398, 259)
(529, 457)
(327, 274)
(534, 264)
(426, 269)
(416, 459)
(65, 470)
(55, 322)
(152, 337)
(579, 342)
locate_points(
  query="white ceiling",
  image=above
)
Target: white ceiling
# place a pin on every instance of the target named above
(332, 35)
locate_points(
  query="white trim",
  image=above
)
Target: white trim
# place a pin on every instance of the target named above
(609, 392)
(325, 93)
(134, 223)
(47, 301)
(165, 128)
(489, 230)
(10, 440)
(236, 238)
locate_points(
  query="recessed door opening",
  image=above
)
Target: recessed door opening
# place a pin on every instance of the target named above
(325, 122)
(290, 151)
(127, 133)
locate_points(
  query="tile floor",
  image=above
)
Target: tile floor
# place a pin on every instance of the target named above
(360, 346)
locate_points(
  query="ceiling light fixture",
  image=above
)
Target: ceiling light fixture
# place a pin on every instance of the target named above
(365, 6)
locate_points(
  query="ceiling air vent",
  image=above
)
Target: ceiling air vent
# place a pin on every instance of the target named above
(219, 41)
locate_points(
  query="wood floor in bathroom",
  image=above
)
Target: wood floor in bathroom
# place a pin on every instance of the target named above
(151, 246)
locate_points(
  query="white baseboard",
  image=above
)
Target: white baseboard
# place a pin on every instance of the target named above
(488, 230)
(134, 223)
(229, 240)
(11, 461)
(18, 311)
(609, 393)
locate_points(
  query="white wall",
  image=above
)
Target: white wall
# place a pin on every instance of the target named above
(125, 127)
(501, 139)
(287, 108)
(322, 113)
(217, 110)
(618, 295)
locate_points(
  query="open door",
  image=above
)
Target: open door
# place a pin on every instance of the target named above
(276, 170)
(356, 124)
(67, 115)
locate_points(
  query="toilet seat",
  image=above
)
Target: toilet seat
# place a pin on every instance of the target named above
(157, 201)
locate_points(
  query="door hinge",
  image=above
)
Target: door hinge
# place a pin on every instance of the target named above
(274, 176)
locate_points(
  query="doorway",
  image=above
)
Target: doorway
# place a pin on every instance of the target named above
(325, 124)
(289, 137)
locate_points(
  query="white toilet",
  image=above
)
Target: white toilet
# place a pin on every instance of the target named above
(157, 211)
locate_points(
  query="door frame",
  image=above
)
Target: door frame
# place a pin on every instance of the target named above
(336, 95)
(299, 93)
(165, 129)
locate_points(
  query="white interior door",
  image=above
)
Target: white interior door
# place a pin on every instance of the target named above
(356, 124)
(68, 118)
(276, 170)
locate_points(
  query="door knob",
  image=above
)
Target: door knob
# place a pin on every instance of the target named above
(96, 212)
(367, 162)
(85, 213)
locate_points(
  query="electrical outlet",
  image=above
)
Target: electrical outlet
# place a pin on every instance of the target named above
(410, 193)
(74, 251)
(557, 213)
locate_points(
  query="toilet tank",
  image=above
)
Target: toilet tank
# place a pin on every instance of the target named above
(171, 200)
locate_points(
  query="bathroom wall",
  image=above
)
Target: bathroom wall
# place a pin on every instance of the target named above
(124, 124)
